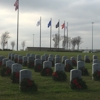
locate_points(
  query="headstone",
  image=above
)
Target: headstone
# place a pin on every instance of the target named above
(80, 64)
(30, 59)
(95, 67)
(46, 55)
(63, 59)
(4, 61)
(47, 64)
(58, 56)
(37, 56)
(57, 60)
(24, 60)
(67, 61)
(96, 61)
(59, 67)
(1, 58)
(50, 55)
(32, 55)
(43, 58)
(20, 59)
(74, 62)
(9, 55)
(79, 58)
(95, 57)
(9, 63)
(51, 60)
(37, 61)
(86, 59)
(12, 56)
(74, 73)
(30, 62)
(16, 58)
(27, 55)
(16, 67)
(25, 73)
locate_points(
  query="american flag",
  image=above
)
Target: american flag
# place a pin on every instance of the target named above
(16, 4)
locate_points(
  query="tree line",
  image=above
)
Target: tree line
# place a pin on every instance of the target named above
(4, 41)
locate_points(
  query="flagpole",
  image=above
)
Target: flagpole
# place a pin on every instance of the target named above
(50, 32)
(17, 24)
(67, 35)
(64, 34)
(58, 33)
(40, 33)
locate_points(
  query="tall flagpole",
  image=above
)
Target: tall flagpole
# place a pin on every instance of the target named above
(50, 32)
(58, 33)
(40, 33)
(17, 24)
(64, 34)
(67, 35)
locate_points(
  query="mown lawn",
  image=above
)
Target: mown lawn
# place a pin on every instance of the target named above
(48, 89)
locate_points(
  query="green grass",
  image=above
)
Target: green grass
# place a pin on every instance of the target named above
(47, 88)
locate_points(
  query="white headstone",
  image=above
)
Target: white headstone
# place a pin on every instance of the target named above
(24, 59)
(27, 55)
(37, 61)
(67, 61)
(79, 58)
(12, 56)
(30, 59)
(74, 73)
(37, 56)
(43, 58)
(96, 61)
(57, 60)
(59, 67)
(25, 73)
(16, 67)
(95, 67)
(95, 57)
(64, 58)
(9, 63)
(80, 64)
(32, 55)
(4, 61)
(47, 64)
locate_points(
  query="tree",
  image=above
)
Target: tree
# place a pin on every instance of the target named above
(64, 42)
(78, 41)
(56, 39)
(23, 44)
(4, 38)
(73, 42)
(13, 44)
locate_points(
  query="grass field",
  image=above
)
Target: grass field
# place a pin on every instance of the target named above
(49, 89)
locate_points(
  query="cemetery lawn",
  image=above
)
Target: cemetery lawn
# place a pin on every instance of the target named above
(48, 89)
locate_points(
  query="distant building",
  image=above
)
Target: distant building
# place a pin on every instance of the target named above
(44, 49)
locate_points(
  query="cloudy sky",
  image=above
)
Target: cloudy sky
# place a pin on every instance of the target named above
(78, 13)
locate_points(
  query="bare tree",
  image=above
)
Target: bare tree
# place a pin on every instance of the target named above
(78, 42)
(65, 40)
(23, 44)
(4, 38)
(12, 44)
(73, 42)
(56, 39)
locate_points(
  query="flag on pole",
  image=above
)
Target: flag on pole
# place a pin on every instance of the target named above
(57, 25)
(38, 23)
(16, 4)
(63, 25)
(49, 24)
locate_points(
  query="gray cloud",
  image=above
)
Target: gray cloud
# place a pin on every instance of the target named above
(78, 13)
